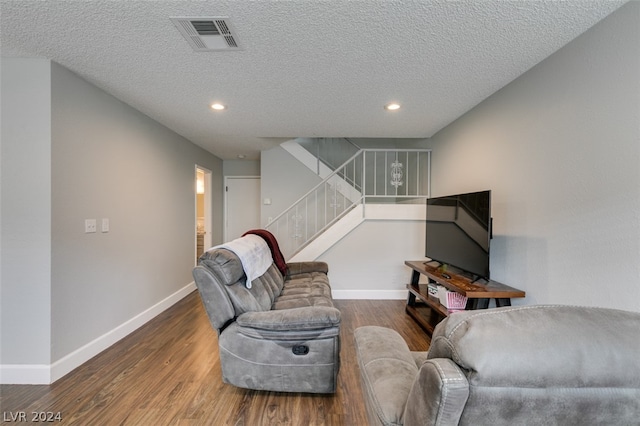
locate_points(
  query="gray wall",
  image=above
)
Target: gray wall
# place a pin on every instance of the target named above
(111, 161)
(25, 217)
(369, 262)
(107, 160)
(284, 180)
(241, 168)
(560, 148)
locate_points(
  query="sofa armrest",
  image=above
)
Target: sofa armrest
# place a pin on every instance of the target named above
(291, 324)
(296, 268)
(438, 395)
(387, 371)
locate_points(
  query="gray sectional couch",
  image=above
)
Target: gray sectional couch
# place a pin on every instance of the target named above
(281, 333)
(530, 365)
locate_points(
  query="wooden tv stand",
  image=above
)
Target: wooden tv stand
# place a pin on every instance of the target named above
(428, 311)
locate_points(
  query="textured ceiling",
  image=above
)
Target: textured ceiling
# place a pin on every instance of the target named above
(307, 68)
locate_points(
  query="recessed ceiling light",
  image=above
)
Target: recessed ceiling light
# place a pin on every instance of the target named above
(392, 106)
(242, 156)
(218, 107)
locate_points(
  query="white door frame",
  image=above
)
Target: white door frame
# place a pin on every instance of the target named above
(224, 214)
(208, 214)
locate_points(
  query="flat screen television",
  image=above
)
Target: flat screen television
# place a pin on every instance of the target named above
(458, 232)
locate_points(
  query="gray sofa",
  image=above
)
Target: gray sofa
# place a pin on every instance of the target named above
(531, 365)
(282, 333)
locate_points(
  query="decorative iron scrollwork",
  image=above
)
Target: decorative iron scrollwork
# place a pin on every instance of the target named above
(396, 174)
(298, 220)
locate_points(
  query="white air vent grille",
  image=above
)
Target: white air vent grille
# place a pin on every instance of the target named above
(207, 34)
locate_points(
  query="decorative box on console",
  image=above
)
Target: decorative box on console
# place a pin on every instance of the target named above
(451, 300)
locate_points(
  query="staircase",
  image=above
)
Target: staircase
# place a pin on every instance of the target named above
(370, 184)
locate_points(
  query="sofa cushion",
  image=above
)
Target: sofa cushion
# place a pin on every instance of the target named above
(297, 268)
(307, 289)
(260, 296)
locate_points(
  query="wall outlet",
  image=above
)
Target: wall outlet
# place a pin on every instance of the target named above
(89, 226)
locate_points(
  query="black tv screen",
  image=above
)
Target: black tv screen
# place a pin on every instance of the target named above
(458, 231)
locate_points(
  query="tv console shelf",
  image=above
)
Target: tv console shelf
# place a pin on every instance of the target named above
(427, 310)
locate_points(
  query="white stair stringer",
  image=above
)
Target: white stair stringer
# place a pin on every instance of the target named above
(352, 220)
(330, 236)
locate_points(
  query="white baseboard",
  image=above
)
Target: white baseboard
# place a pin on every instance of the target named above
(370, 294)
(31, 374)
(47, 374)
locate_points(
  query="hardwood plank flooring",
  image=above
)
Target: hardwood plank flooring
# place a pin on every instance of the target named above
(168, 373)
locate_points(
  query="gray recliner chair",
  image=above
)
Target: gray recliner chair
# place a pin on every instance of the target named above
(529, 365)
(281, 333)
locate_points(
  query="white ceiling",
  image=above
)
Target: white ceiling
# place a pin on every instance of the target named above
(307, 68)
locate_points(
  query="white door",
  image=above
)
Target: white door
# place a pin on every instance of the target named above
(242, 205)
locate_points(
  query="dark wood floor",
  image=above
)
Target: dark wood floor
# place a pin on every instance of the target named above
(167, 373)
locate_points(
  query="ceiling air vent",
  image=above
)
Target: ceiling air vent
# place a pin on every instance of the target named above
(207, 34)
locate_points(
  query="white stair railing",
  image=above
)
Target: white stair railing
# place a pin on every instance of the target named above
(390, 176)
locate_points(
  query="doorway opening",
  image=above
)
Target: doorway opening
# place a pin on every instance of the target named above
(203, 211)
